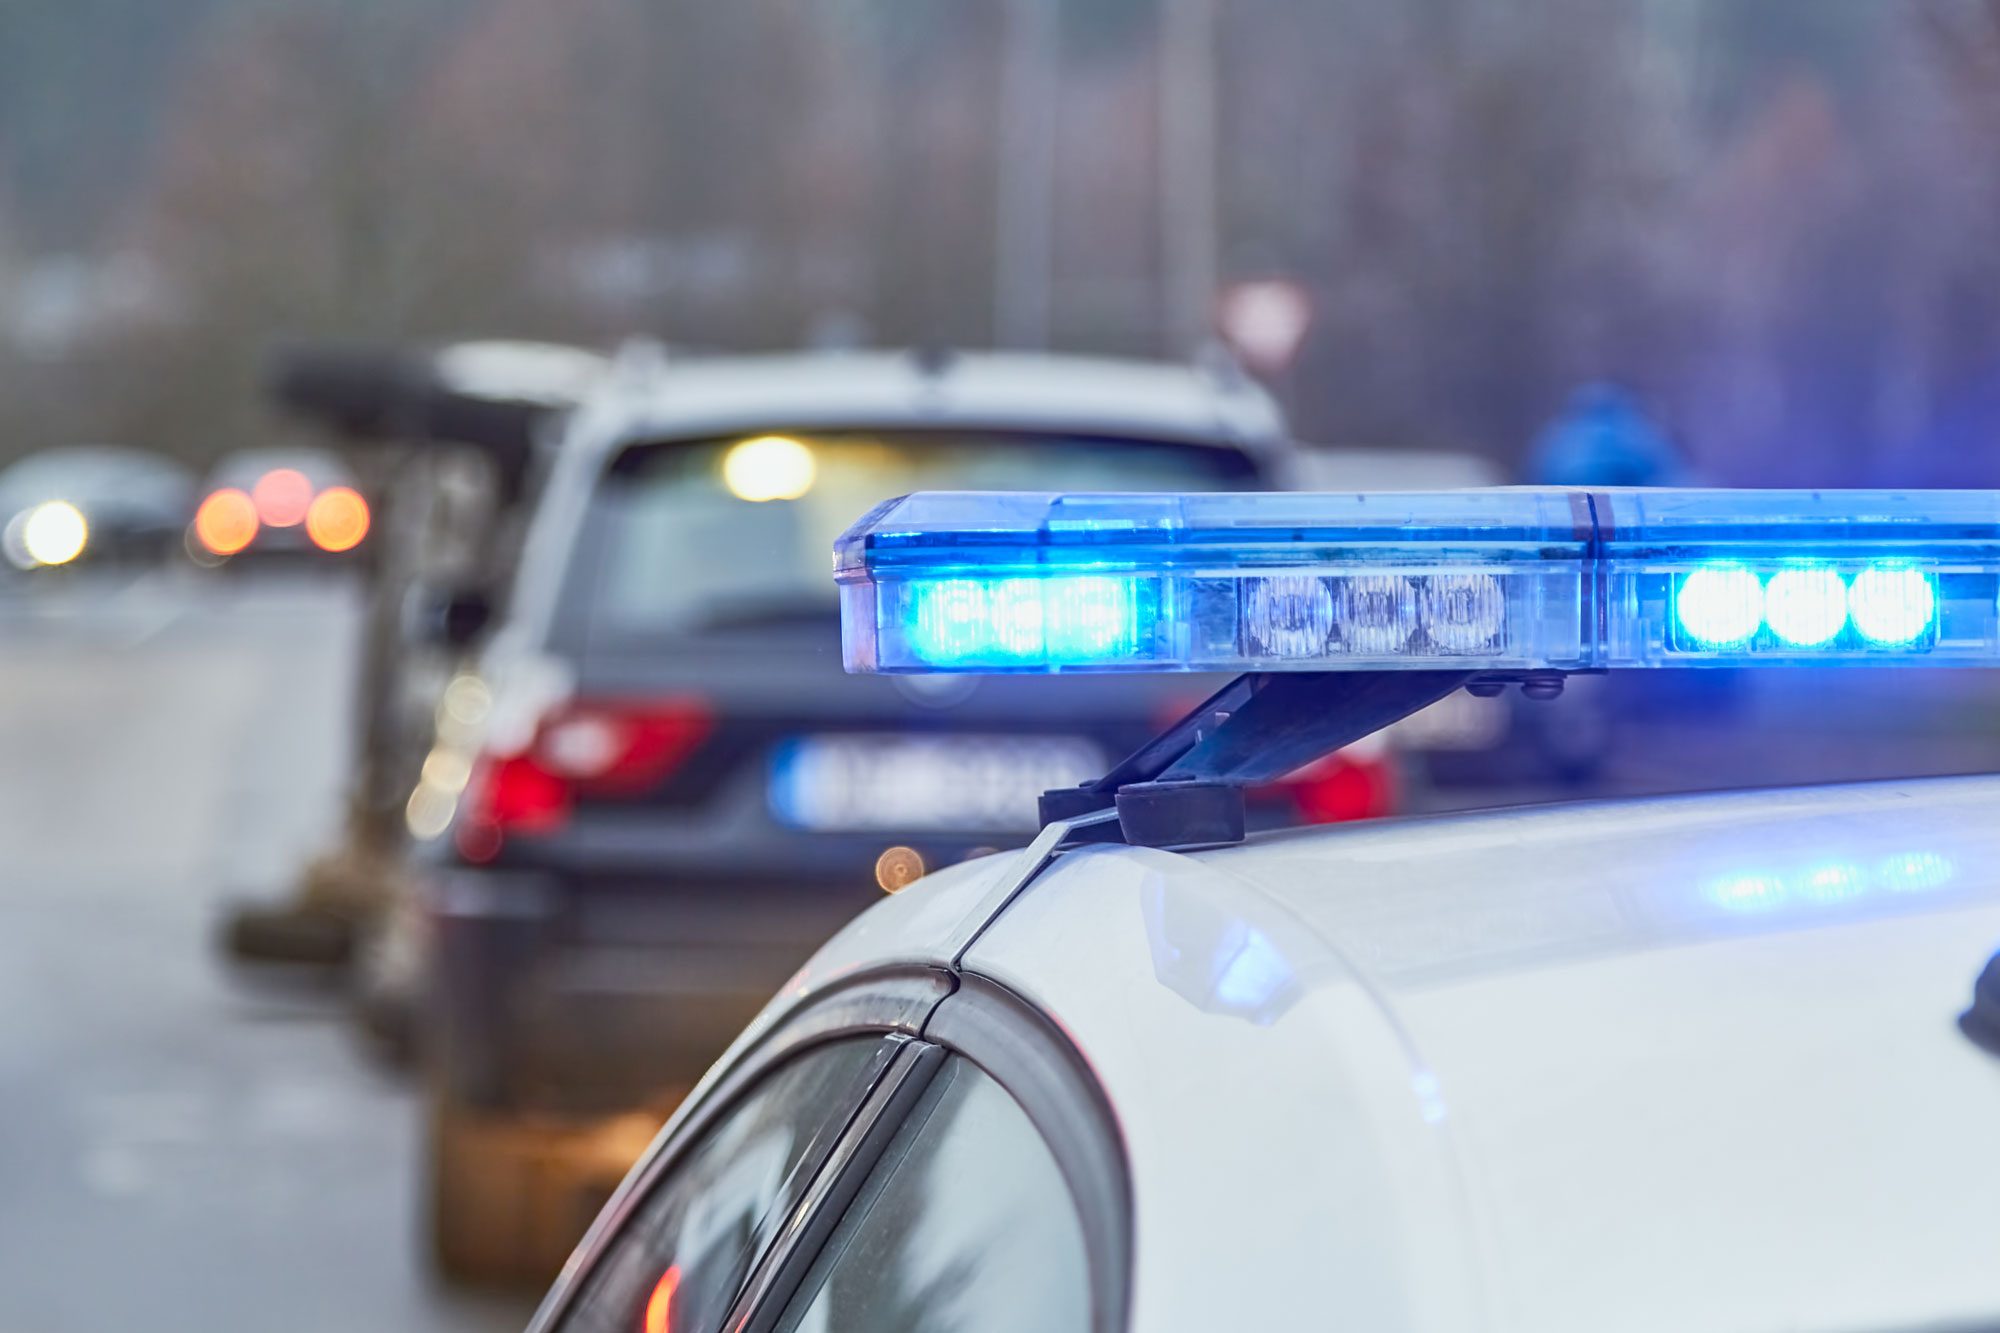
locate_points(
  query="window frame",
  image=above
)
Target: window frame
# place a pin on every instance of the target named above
(889, 1005)
(928, 1013)
(571, 629)
(1021, 1050)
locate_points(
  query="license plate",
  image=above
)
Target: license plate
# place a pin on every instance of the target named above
(974, 784)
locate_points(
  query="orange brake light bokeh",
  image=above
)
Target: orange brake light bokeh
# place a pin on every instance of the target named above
(226, 522)
(337, 519)
(282, 495)
(660, 1309)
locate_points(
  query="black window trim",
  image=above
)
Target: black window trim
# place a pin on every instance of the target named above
(1037, 1065)
(922, 1013)
(1004, 1036)
(776, 1280)
(892, 1004)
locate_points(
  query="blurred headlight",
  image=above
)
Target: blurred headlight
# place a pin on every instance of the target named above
(52, 533)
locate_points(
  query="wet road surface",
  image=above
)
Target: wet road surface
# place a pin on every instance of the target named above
(182, 1146)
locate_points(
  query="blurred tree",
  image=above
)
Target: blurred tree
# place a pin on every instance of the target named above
(1774, 219)
(1480, 203)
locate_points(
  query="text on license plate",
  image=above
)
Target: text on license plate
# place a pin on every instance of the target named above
(970, 783)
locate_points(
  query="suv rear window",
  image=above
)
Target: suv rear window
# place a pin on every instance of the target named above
(726, 533)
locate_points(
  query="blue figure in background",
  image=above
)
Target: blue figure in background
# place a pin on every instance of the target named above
(1603, 437)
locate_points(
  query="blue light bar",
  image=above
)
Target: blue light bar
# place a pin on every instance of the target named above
(1499, 580)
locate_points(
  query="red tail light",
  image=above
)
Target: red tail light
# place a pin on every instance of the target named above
(1348, 784)
(596, 747)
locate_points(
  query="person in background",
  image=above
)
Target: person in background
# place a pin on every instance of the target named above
(1603, 437)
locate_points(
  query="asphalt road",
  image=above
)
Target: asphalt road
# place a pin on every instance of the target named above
(181, 1146)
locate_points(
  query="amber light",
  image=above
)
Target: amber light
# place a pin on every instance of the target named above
(660, 1308)
(337, 519)
(226, 522)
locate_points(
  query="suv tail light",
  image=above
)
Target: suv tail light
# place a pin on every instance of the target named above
(1358, 782)
(587, 747)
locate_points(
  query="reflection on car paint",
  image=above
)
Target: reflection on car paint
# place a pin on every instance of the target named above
(1216, 960)
(1829, 883)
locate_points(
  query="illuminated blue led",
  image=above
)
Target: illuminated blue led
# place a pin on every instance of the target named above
(1720, 604)
(1892, 605)
(1088, 617)
(950, 622)
(1013, 621)
(1503, 581)
(1806, 606)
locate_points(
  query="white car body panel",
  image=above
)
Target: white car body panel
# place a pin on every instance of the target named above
(1672, 1064)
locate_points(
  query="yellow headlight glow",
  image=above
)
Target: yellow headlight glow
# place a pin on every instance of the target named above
(54, 533)
(769, 467)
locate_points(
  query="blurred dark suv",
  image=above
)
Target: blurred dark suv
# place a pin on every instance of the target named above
(660, 792)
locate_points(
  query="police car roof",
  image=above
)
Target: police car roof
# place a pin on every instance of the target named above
(690, 397)
(1660, 1064)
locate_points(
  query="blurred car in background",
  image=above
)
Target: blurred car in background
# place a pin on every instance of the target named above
(284, 503)
(92, 505)
(660, 792)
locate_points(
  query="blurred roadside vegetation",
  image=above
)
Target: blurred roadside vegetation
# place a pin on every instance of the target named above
(1776, 219)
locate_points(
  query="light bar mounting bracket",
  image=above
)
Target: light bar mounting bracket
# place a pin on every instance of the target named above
(1184, 788)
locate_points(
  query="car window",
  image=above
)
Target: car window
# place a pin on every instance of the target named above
(698, 536)
(965, 1226)
(682, 1256)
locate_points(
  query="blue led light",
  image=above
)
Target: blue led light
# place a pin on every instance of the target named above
(1720, 604)
(970, 622)
(1088, 617)
(950, 623)
(1806, 606)
(1892, 605)
(1502, 580)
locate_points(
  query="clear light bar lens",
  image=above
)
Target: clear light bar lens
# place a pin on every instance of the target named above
(1509, 579)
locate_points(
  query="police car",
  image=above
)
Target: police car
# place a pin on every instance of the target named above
(1723, 1062)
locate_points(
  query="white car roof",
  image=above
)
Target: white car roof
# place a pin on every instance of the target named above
(689, 397)
(1667, 1064)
